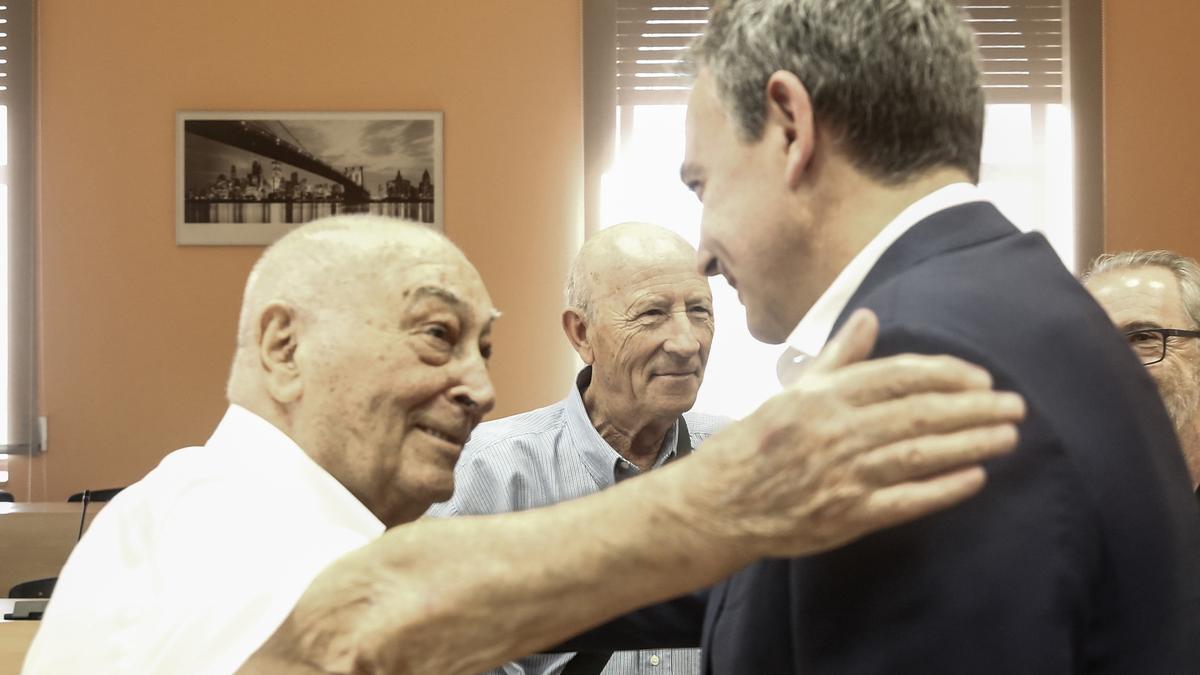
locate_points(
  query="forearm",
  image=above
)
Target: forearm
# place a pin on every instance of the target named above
(465, 594)
(879, 444)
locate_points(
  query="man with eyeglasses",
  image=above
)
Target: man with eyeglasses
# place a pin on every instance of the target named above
(1154, 298)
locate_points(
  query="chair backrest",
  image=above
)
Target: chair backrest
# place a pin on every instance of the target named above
(5, 496)
(38, 588)
(96, 495)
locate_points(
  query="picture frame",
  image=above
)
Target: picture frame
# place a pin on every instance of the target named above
(247, 178)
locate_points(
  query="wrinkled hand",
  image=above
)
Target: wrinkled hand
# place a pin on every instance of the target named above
(854, 446)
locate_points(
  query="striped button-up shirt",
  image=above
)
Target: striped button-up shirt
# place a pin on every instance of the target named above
(550, 455)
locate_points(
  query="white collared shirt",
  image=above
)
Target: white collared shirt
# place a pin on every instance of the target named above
(809, 337)
(192, 568)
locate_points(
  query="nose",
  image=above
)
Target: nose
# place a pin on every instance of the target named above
(474, 391)
(706, 263)
(682, 340)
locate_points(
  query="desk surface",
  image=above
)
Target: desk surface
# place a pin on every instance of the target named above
(36, 538)
(49, 507)
(15, 637)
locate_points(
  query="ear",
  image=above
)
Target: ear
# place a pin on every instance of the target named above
(278, 340)
(790, 121)
(575, 326)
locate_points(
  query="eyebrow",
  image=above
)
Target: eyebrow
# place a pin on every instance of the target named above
(1139, 325)
(437, 292)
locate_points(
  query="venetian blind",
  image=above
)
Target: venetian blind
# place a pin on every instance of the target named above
(1020, 44)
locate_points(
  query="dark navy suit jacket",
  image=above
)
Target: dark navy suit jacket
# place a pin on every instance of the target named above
(1082, 553)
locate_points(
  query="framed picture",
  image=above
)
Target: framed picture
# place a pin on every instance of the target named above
(247, 178)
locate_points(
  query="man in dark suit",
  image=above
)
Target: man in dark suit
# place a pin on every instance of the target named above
(835, 146)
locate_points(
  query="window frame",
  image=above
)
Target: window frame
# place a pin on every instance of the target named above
(20, 176)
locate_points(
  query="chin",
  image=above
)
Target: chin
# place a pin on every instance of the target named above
(440, 493)
(674, 407)
(767, 332)
(430, 489)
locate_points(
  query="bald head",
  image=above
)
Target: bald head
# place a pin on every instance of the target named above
(319, 263)
(614, 250)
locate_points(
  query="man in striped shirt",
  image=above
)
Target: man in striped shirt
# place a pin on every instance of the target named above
(640, 316)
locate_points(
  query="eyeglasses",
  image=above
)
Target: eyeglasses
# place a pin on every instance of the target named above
(1150, 344)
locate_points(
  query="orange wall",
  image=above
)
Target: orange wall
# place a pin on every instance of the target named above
(137, 332)
(1152, 137)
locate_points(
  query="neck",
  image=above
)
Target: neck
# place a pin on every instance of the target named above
(851, 208)
(638, 440)
(382, 498)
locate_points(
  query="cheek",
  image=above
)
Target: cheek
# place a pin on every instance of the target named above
(627, 345)
(1167, 376)
(637, 353)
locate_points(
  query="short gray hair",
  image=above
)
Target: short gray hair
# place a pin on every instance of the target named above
(1185, 269)
(896, 80)
(579, 289)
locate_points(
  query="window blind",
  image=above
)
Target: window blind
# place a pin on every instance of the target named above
(1020, 46)
(1020, 49)
(652, 37)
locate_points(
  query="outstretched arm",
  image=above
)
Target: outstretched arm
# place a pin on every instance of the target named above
(852, 447)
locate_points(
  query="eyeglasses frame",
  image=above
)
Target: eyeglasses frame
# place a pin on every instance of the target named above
(1163, 333)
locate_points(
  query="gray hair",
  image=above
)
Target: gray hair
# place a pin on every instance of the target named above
(579, 289)
(1185, 269)
(897, 81)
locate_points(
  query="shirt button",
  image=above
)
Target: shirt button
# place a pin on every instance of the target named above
(654, 660)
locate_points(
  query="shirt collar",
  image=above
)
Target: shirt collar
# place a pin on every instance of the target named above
(812, 332)
(253, 438)
(601, 461)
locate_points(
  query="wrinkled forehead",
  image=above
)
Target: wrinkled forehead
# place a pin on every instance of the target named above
(450, 278)
(673, 275)
(1139, 294)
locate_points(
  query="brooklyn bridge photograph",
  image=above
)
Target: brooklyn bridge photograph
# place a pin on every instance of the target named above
(248, 178)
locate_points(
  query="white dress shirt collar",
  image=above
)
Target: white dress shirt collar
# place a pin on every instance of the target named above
(813, 331)
(252, 439)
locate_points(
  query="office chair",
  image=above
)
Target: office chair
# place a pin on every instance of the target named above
(38, 588)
